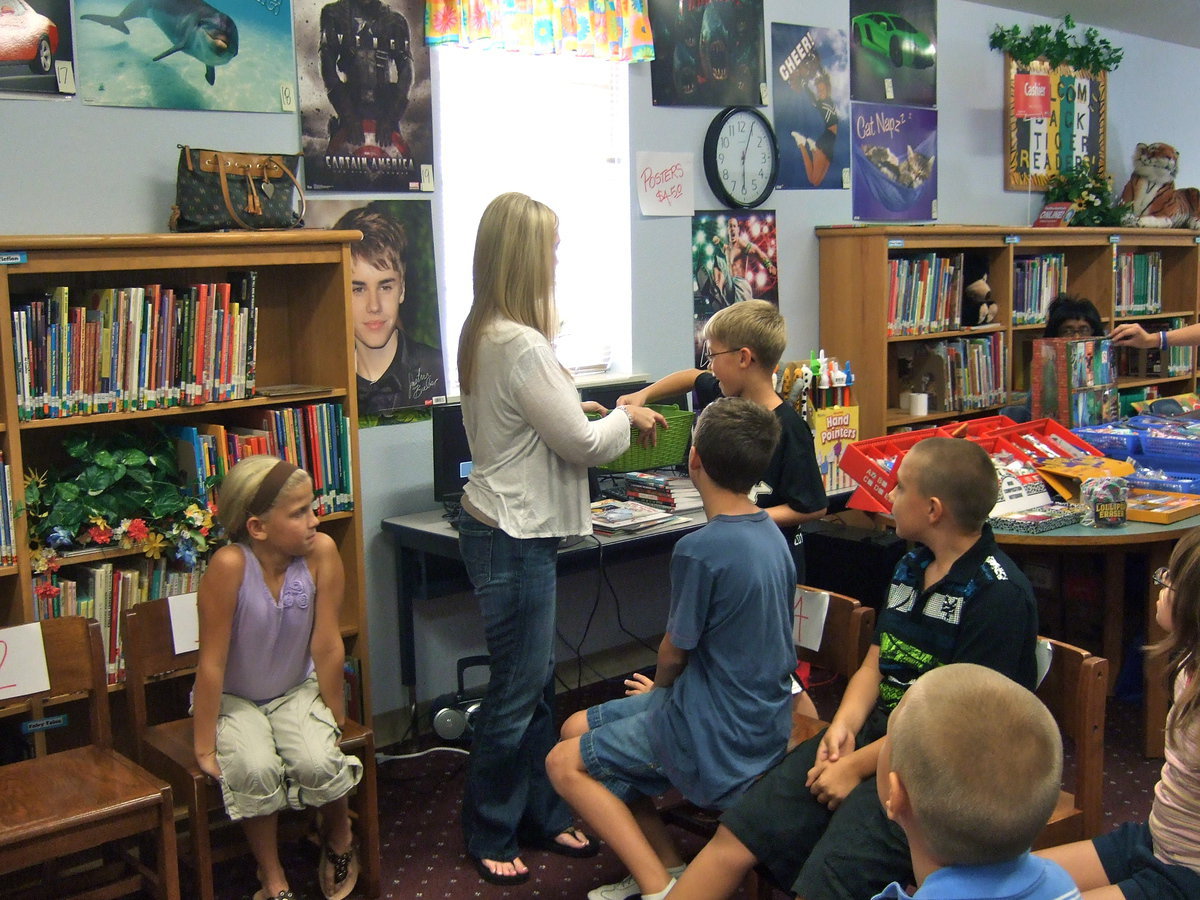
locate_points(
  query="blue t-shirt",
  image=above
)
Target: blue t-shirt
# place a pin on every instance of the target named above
(1025, 878)
(727, 717)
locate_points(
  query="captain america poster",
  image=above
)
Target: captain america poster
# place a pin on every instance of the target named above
(365, 101)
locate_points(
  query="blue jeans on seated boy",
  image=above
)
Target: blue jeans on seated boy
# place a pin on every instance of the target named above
(509, 797)
(617, 747)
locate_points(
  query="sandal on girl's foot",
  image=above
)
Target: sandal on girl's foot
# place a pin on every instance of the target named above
(552, 845)
(262, 894)
(496, 878)
(338, 872)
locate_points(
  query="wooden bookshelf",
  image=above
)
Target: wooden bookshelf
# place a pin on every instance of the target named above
(855, 292)
(305, 336)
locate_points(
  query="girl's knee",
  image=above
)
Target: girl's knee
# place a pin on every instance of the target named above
(576, 725)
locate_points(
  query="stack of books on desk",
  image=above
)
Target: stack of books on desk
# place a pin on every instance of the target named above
(623, 516)
(671, 492)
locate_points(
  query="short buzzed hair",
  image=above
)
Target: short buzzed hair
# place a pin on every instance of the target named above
(981, 759)
(754, 324)
(960, 474)
(735, 439)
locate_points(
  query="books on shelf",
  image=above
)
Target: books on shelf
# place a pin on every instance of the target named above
(924, 293)
(625, 516)
(134, 348)
(674, 493)
(1036, 281)
(313, 436)
(959, 374)
(1138, 283)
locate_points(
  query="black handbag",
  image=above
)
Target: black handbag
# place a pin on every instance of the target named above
(215, 191)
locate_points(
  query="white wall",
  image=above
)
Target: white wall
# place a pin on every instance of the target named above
(67, 168)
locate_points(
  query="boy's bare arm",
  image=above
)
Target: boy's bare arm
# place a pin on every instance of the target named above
(671, 661)
(667, 386)
(862, 692)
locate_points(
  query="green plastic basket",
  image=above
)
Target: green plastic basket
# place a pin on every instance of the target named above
(669, 451)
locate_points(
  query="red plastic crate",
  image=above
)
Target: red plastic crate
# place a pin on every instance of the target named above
(976, 428)
(864, 462)
(1042, 429)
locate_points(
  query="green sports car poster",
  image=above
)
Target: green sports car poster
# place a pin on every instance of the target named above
(893, 51)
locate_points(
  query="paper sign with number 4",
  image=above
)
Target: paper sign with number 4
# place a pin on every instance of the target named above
(22, 661)
(809, 623)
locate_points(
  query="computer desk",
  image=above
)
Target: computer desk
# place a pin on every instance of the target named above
(428, 566)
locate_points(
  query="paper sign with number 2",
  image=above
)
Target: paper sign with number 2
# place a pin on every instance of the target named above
(22, 661)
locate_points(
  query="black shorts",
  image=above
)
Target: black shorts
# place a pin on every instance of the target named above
(1127, 855)
(851, 853)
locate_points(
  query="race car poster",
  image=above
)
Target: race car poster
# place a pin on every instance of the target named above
(707, 53)
(366, 111)
(895, 162)
(734, 258)
(810, 84)
(236, 55)
(893, 51)
(37, 52)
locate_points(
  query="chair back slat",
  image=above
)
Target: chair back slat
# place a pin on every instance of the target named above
(849, 626)
(149, 654)
(75, 665)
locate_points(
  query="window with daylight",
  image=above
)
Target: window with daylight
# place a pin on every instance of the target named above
(557, 129)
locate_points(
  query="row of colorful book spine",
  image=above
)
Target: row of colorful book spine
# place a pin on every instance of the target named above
(134, 348)
(313, 436)
(1036, 281)
(1138, 283)
(102, 590)
(8, 539)
(924, 294)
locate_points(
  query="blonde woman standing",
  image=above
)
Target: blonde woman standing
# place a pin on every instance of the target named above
(531, 445)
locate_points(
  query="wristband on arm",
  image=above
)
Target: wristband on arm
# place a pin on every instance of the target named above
(1162, 340)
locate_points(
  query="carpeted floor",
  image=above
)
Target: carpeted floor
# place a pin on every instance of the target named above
(423, 850)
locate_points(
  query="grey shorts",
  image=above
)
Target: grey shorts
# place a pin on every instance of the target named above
(282, 753)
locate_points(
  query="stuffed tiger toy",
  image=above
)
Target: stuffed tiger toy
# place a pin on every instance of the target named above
(1154, 200)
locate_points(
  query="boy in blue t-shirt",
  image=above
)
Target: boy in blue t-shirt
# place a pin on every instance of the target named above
(970, 769)
(717, 713)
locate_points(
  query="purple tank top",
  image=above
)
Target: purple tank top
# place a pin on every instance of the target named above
(269, 644)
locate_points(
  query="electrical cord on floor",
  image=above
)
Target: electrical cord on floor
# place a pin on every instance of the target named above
(620, 623)
(381, 757)
(577, 649)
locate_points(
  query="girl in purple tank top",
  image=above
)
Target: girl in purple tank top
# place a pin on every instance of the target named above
(268, 704)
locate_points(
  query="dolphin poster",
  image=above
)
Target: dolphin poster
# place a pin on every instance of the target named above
(234, 55)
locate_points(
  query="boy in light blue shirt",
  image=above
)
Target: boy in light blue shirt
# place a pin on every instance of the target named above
(971, 769)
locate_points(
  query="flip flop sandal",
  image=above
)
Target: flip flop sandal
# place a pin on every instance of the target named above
(493, 878)
(551, 845)
(338, 872)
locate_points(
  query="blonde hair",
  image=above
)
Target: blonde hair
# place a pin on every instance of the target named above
(753, 324)
(513, 274)
(238, 490)
(981, 759)
(1181, 647)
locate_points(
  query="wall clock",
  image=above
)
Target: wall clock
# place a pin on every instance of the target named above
(741, 158)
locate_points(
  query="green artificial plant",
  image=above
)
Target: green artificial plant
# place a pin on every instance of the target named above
(1058, 46)
(1090, 192)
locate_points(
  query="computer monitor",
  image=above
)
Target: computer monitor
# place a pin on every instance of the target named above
(451, 453)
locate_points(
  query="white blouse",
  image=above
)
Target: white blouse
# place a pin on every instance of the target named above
(531, 443)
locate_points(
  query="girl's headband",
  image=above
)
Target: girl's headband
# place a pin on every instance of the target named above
(270, 487)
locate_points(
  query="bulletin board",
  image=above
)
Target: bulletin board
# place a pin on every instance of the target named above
(1076, 129)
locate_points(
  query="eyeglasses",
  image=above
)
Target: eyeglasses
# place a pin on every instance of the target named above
(1162, 577)
(1082, 331)
(706, 355)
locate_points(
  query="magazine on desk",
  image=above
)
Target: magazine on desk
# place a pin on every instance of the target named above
(625, 516)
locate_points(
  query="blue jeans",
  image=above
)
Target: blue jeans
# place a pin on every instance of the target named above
(509, 796)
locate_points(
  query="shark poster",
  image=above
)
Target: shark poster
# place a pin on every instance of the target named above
(810, 84)
(707, 53)
(366, 108)
(233, 55)
(36, 47)
(893, 54)
(895, 162)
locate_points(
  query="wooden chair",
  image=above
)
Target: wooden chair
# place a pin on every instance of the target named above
(71, 802)
(845, 640)
(1075, 690)
(166, 748)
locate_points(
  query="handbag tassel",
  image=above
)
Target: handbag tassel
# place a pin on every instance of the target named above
(253, 206)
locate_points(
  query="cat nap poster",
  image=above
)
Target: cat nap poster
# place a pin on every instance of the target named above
(895, 162)
(810, 83)
(232, 55)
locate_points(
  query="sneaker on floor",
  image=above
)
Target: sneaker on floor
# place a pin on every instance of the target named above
(627, 888)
